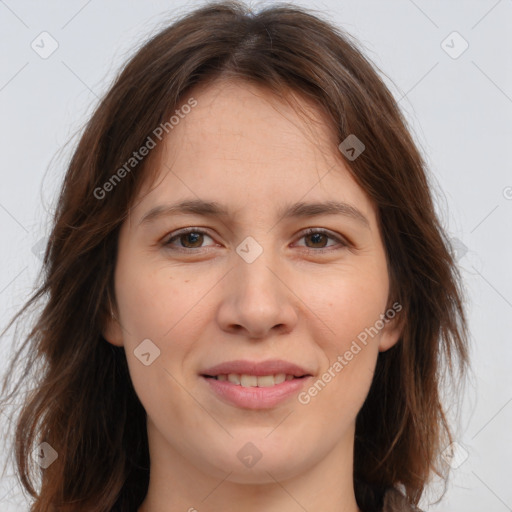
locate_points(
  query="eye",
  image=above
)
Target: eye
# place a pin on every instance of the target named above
(189, 238)
(193, 238)
(319, 238)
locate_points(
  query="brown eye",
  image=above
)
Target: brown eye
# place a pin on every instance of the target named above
(319, 240)
(191, 239)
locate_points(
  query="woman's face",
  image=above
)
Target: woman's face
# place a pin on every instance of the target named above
(247, 286)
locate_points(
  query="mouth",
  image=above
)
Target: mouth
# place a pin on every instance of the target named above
(255, 385)
(253, 381)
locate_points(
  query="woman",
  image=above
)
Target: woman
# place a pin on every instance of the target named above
(247, 292)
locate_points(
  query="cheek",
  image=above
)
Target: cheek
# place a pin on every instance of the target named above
(165, 305)
(155, 304)
(348, 313)
(156, 300)
(346, 303)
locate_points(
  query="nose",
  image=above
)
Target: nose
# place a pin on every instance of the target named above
(257, 301)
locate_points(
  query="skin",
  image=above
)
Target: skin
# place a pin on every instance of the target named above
(248, 150)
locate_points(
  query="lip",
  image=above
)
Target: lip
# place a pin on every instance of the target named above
(255, 397)
(258, 368)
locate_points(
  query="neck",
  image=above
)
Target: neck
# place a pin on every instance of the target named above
(176, 484)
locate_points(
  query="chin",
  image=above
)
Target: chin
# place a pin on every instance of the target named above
(257, 463)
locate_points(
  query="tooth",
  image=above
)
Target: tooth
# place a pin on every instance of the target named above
(280, 377)
(234, 378)
(265, 381)
(248, 380)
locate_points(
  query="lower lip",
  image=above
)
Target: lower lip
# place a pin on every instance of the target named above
(254, 397)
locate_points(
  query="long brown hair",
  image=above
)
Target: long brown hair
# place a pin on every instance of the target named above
(83, 403)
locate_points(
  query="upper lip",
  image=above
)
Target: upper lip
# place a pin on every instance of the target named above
(257, 368)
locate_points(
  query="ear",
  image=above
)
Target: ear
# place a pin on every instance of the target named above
(112, 331)
(392, 330)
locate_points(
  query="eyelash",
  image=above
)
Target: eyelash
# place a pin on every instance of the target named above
(310, 231)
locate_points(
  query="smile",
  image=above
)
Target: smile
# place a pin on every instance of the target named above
(254, 392)
(260, 381)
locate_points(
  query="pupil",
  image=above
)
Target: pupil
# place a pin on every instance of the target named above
(192, 238)
(316, 237)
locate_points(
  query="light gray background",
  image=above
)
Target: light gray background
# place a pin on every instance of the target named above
(459, 109)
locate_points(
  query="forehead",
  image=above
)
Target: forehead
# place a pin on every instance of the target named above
(242, 143)
(248, 116)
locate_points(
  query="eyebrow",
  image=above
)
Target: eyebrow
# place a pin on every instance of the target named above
(214, 209)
